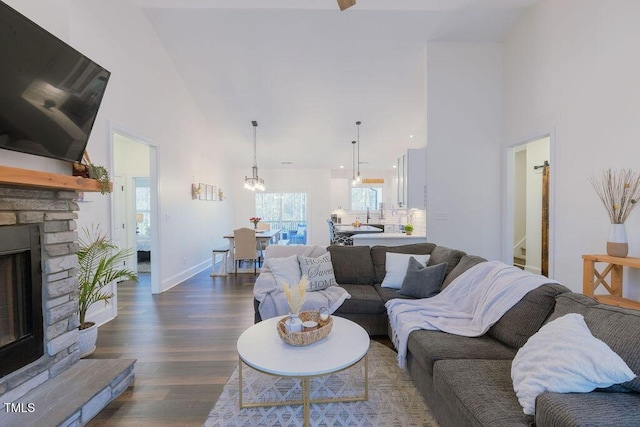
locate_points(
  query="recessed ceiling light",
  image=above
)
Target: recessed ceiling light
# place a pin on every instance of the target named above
(410, 136)
(341, 167)
(395, 166)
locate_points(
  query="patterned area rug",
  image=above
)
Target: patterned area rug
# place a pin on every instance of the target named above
(393, 399)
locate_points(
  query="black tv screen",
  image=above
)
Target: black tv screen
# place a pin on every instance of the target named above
(49, 92)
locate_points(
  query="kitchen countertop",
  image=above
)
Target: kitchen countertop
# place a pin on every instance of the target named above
(387, 239)
(389, 236)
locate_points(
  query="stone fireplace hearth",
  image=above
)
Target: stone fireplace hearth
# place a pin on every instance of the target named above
(54, 212)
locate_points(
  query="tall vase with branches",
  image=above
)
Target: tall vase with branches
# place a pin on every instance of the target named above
(619, 191)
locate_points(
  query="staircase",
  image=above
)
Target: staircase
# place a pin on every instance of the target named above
(520, 260)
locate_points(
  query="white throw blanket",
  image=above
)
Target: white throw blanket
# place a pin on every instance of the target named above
(269, 293)
(469, 306)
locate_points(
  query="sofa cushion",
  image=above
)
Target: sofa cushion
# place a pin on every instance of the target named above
(583, 409)
(527, 316)
(618, 327)
(465, 263)
(387, 293)
(285, 269)
(563, 356)
(364, 300)
(479, 392)
(452, 257)
(427, 347)
(396, 268)
(318, 270)
(421, 281)
(352, 264)
(379, 255)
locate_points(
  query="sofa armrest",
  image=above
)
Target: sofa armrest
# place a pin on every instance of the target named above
(595, 408)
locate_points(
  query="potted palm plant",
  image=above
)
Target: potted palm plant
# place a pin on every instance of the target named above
(100, 263)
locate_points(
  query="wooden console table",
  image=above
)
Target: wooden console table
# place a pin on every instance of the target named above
(592, 278)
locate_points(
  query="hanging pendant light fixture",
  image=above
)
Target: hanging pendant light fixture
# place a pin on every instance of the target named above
(358, 175)
(254, 183)
(353, 163)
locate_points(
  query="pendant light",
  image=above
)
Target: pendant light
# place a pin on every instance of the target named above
(254, 183)
(358, 175)
(353, 163)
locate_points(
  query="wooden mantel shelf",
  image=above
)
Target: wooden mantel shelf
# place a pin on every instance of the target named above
(32, 178)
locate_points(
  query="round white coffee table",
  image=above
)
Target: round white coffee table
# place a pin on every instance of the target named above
(260, 348)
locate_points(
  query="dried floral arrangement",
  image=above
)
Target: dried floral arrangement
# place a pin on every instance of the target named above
(619, 191)
(296, 294)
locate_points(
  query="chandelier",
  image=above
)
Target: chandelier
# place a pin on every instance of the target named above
(253, 182)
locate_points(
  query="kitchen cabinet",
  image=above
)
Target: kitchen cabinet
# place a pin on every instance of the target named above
(340, 193)
(411, 170)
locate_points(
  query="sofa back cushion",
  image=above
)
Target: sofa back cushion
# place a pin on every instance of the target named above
(527, 316)
(466, 262)
(352, 264)
(379, 256)
(441, 254)
(618, 327)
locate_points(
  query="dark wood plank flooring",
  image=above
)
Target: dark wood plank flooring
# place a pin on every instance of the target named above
(184, 341)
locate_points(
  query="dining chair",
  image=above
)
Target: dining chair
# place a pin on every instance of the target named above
(245, 247)
(338, 239)
(262, 244)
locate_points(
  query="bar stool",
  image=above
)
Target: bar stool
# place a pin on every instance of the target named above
(222, 271)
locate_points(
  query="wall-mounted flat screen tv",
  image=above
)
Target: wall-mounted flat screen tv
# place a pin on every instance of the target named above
(49, 92)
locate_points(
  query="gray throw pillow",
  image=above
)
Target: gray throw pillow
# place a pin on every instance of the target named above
(421, 281)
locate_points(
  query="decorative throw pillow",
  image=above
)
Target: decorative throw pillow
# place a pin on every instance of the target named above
(396, 266)
(564, 357)
(284, 269)
(421, 281)
(319, 271)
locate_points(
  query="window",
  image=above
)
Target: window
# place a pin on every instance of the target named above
(365, 197)
(285, 211)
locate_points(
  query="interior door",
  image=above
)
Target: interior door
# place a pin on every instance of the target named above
(121, 230)
(544, 267)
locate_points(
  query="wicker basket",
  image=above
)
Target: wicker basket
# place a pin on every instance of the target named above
(305, 338)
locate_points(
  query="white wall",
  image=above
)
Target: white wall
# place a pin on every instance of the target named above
(146, 96)
(572, 66)
(520, 202)
(464, 147)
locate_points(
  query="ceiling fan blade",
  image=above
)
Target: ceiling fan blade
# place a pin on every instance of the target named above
(344, 4)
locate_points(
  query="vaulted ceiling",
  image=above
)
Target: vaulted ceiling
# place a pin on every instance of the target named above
(307, 71)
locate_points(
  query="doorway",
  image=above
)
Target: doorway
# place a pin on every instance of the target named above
(136, 203)
(529, 193)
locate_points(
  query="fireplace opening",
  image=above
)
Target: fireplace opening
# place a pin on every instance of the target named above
(21, 328)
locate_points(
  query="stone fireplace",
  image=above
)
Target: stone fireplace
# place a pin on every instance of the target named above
(72, 390)
(54, 213)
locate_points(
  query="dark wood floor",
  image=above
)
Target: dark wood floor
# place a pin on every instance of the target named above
(185, 344)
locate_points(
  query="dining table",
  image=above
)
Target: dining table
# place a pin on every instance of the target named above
(263, 237)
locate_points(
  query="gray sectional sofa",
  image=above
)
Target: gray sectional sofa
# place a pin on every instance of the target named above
(467, 381)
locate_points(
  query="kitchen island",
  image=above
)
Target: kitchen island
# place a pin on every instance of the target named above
(387, 239)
